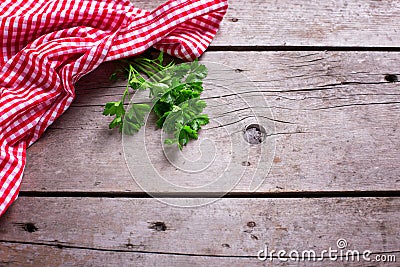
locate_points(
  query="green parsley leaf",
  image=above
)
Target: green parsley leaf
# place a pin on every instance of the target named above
(175, 91)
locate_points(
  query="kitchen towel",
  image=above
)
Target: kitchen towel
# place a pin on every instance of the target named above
(48, 45)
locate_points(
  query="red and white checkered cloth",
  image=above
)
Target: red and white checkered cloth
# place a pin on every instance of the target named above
(47, 45)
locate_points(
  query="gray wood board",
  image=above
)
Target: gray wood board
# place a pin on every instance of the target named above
(355, 23)
(336, 125)
(69, 231)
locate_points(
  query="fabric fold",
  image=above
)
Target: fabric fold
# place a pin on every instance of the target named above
(48, 45)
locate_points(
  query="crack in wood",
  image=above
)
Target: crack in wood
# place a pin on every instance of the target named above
(354, 83)
(308, 55)
(247, 117)
(314, 60)
(64, 246)
(254, 195)
(332, 86)
(266, 48)
(356, 104)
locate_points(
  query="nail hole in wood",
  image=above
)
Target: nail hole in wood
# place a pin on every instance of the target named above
(158, 226)
(254, 237)
(30, 227)
(234, 19)
(251, 224)
(392, 78)
(254, 134)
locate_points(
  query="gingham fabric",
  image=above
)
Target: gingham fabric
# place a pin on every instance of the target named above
(47, 45)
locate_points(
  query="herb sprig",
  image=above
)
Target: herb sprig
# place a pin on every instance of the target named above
(175, 91)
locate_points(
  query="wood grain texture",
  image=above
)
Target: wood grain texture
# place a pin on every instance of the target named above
(336, 120)
(68, 231)
(332, 116)
(355, 23)
(36, 255)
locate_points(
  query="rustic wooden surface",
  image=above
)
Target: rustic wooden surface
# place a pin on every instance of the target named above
(230, 231)
(322, 67)
(262, 24)
(336, 119)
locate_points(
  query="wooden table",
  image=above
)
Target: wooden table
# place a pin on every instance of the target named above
(329, 71)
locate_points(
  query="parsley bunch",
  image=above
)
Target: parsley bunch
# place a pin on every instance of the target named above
(175, 91)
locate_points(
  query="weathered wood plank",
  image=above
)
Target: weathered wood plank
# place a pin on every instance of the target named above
(69, 231)
(37, 255)
(336, 120)
(356, 23)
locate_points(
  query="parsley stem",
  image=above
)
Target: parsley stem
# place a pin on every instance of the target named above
(126, 92)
